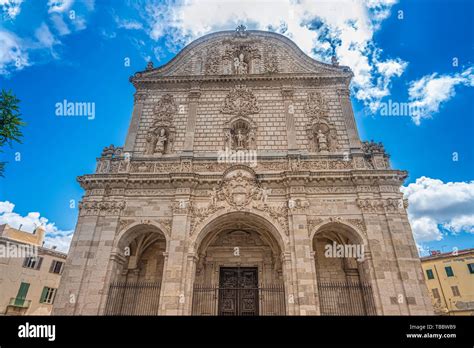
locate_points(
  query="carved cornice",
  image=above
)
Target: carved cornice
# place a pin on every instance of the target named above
(388, 205)
(290, 77)
(101, 208)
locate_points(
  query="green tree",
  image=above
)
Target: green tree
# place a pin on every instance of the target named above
(10, 122)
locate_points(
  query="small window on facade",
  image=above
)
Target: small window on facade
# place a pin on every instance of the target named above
(56, 267)
(47, 296)
(455, 290)
(470, 267)
(435, 293)
(33, 262)
(429, 274)
(449, 271)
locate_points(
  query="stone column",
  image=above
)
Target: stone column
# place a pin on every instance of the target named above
(188, 283)
(83, 287)
(315, 279)
(349, 120)
(367, 275)
(290, 292)
(139, 99)
(193, 99)
(384, 279)
(304, 268)
(287, 94)
(172, 291)
(416, 300)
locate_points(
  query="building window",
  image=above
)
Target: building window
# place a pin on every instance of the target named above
(429, 274)
(435, 293)
(47, 296)
(455, 291)
(56, 267)
(470, 266)
(33, 262)
(449, 271)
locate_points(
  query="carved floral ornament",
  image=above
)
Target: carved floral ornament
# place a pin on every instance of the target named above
(240, 102)
(389, 205)
(316, 106)
(166, 223)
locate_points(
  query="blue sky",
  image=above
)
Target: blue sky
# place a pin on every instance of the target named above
(415, 52)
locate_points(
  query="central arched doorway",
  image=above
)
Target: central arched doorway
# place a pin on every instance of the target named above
(239, 269)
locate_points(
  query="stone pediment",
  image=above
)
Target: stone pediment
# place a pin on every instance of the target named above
(241, 52)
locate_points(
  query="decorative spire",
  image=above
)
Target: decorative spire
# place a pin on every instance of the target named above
(241, 31)
(334, 61)
(149, 65)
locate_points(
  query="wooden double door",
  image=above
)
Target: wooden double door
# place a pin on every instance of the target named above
(238, 291)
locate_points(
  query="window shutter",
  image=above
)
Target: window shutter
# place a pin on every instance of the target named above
(23, 290)
(40, 260)
(44, 293)
(51, 268)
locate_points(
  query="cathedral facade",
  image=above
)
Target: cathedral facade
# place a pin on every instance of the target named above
(243, 188)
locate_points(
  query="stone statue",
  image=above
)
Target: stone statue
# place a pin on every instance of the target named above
(151, 141)
(227, 139)
(240, 139)
(322, 141)
(265, 193)
(240, 66)
(160, 144)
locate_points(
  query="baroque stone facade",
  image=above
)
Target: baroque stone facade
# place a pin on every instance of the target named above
(175, 208)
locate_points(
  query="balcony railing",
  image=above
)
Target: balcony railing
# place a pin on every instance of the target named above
(262, 300)
(346, 298)
(19, 302)
(137, 298)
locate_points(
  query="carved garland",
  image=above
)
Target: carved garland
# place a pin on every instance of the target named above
(101, 208)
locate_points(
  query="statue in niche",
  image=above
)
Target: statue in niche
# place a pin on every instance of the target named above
(160, 143)
(240, 139)
(240, 66)
(322, 141)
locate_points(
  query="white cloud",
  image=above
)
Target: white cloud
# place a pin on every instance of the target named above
(428, 93)
(44, 36)
(128, 24)
(59, 24)
(319, 27)
(59, 5)
(54, 236)
(12, 55)
(425, 229)
(461, 223)
(11, 8)
(434, 204)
